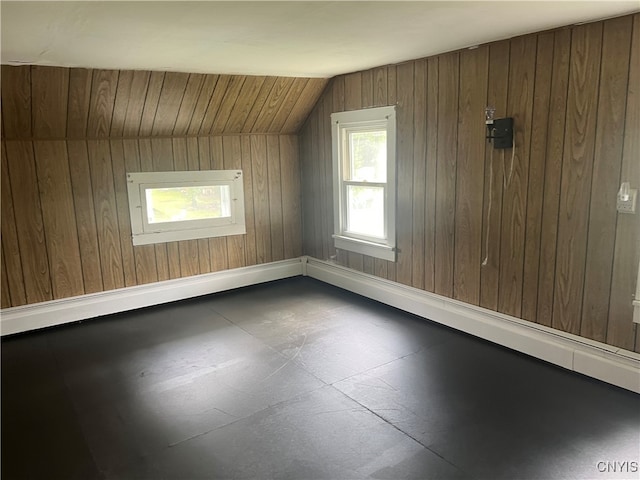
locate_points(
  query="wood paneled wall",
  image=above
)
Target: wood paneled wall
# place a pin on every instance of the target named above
(70, 136)
(52, 103)
(532, 232)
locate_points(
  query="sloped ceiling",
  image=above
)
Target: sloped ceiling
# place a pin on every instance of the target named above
(56, 102)
(298, 39)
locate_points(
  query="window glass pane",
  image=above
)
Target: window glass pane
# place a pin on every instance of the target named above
(368, 156)
(178, 204)
(365, 210)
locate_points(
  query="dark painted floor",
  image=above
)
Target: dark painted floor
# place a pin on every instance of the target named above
(294, 380)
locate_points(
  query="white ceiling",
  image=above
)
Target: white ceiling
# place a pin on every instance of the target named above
(307, 39)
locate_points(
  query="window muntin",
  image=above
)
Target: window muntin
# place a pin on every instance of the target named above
(170, 206)
(364, 181)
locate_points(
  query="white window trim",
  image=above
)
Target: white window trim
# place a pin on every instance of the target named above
(144, 233)
(384, 248)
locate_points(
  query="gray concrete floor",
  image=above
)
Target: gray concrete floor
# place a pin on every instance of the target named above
(299, 380)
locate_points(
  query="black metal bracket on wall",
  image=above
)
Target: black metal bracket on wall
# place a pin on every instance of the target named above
(501, 132)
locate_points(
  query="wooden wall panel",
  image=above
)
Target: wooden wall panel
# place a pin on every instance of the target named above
(65, 214)
(261, 198)
(516, 175)
(50, 87)
(292, 221)
(233, 160)
(446, 172)
(80, 80)
(404, 172)
(103, 92)
(470, 167)
(576, 176)
(535, 191)
(85, 215)
(497, 88)
(419, 173)
(120, 169)
(173, 89)
(213, 156)
(274, 182)
(16, 102)
(538, 239)
(29, 223)
(552, 176)
(614, 74)
(249, 209)
(13, 287)
(60, 230)
(106, 214)
(626, 252)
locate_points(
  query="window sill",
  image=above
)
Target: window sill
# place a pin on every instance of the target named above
(384, 252)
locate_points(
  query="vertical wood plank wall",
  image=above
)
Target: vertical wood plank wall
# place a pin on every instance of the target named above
(532, 232)
(71, 135)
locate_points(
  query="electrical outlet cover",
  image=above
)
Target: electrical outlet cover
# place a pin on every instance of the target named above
(630, 205)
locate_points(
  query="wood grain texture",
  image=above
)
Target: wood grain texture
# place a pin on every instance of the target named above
(261, 198)
(154, 89)
(16, 102)
(104, 201)
(497, 88)
(85, 215)
(232, 151)
(80, 80)
(274, 183)
(292, 221)
(446, 172)
(217, 246)
(135, 104)
(6, 298)
(419, 173)
(61, 235)
(228, 103)
(607, 160)
(173, 89)
(552, 174)
(120, 169)
(404, 172)
(431, 154)
(74, 103)
(246, 98)
(14, 286)
(537, 158)
(49, 87)
(474, 65)
(536, 240)
(516, 175)
(249, 212)
(188, 104)
(626, 253)
(586, 44)
(29, 223)
(103, 92)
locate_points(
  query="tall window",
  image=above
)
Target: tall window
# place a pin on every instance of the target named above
(170, 206)
(364, 177)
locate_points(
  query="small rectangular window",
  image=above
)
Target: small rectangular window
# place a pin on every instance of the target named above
(170, 206)
(364, 181)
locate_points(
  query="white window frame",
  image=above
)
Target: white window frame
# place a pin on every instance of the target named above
(341, 124)
(144, 233)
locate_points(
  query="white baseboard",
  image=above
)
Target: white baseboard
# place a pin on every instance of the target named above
(57, 312)
(595, 359)
(598, 360)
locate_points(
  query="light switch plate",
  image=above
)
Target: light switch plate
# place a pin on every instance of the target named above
(630, 205)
